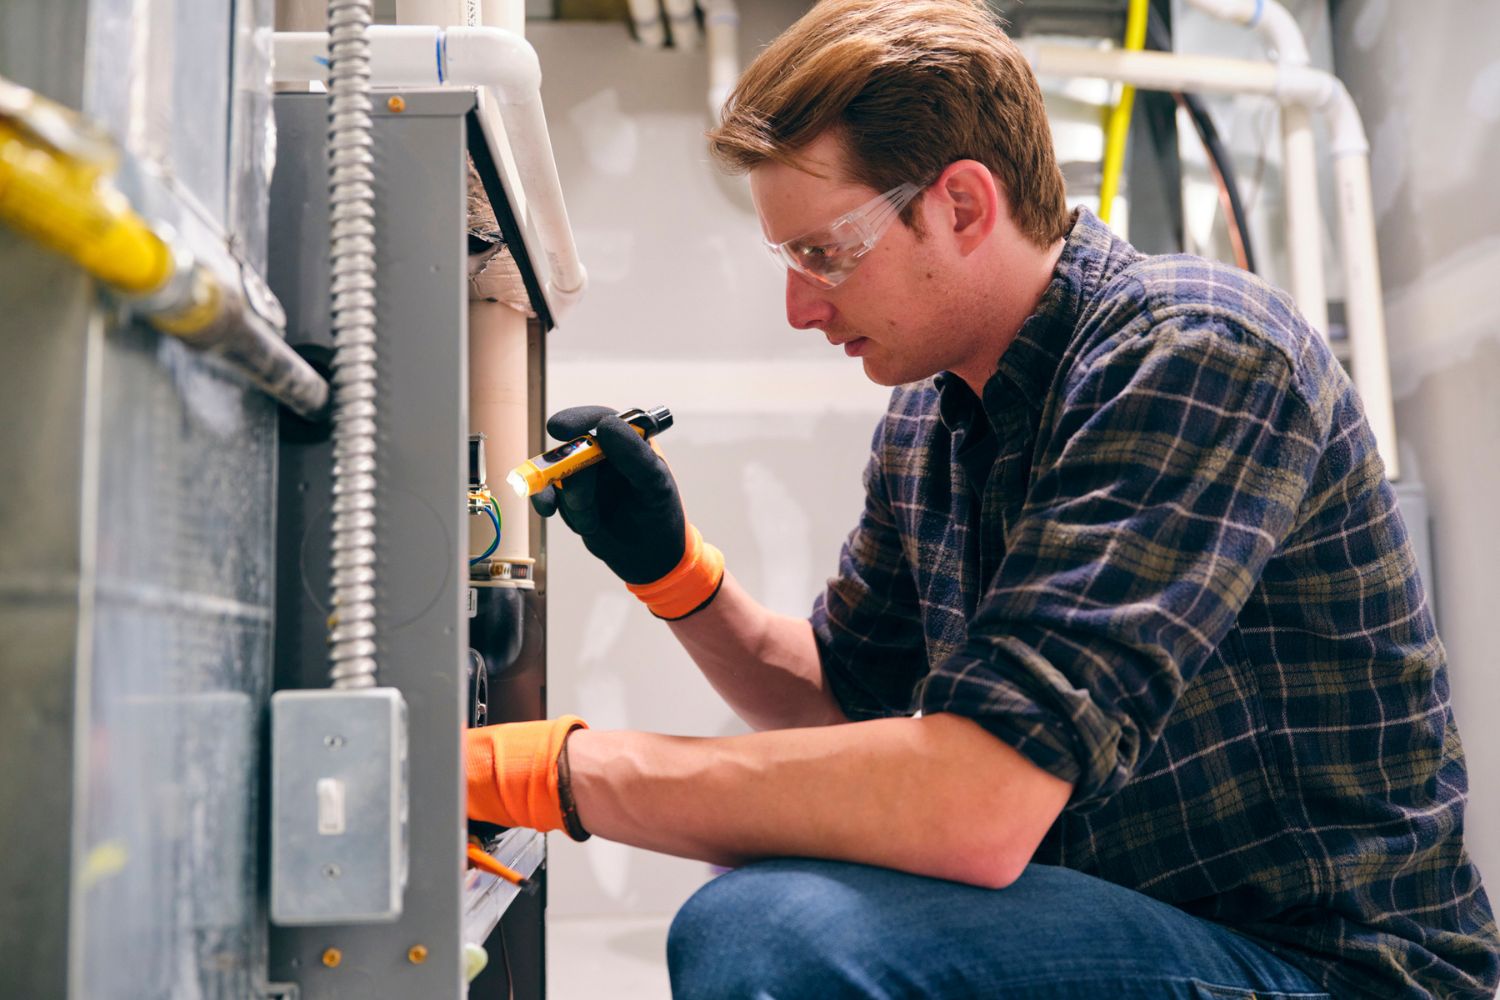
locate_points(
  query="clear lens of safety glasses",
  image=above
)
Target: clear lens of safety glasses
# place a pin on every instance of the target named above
(830, 254)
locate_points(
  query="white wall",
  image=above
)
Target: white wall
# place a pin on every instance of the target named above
(1427, 81)
(685, 308)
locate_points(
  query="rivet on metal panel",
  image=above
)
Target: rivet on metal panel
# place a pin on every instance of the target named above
(332, 871)
(332, 957)
(417, 954)
(396, 105)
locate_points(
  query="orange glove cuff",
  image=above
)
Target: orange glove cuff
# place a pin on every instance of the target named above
(512, 772)
(688, 587)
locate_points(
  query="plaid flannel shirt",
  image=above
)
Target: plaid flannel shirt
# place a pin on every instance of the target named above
(1160, 558)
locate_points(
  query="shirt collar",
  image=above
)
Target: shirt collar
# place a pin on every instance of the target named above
(1091, 256)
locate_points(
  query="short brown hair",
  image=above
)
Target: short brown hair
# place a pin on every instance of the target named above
(910, 86)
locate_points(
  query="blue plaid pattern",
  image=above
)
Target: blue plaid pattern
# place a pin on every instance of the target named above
(1160, 558)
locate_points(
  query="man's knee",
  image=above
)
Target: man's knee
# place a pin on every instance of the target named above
(766, 930)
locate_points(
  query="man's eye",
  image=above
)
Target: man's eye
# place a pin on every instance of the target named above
(815, 253)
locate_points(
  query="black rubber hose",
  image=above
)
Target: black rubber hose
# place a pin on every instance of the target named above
(1159, 37)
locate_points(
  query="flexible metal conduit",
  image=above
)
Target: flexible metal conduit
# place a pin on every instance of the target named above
(351, 195)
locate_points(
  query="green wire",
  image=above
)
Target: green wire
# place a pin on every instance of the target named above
(494, 508)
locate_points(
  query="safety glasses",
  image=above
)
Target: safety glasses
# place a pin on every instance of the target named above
(829, 254)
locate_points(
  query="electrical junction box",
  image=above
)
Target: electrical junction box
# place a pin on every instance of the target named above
(338, 806)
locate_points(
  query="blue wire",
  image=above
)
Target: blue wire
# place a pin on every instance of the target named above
(494, 544)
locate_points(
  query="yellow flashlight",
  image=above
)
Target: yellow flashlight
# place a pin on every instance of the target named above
(536, 474)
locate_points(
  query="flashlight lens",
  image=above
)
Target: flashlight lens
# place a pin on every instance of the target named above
(517, 482)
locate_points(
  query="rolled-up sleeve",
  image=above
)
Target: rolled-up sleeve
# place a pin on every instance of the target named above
(867, 623)
(1176, 464)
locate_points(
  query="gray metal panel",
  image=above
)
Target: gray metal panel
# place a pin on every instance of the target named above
(423, 379)
(252, 130)
(177, 677)
(35, 32)
(136, 562)
(43, 345)
(159, 79)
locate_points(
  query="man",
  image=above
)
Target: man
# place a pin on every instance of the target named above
(1127, 548)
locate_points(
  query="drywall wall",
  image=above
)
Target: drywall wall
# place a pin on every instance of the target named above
(1426, 79)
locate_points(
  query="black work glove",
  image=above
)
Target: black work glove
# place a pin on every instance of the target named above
(626, 508)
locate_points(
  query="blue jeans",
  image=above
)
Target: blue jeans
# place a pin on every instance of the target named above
(822, 930)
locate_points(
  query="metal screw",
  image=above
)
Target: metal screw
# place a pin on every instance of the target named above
(396, 105)
(417, 955)
(332, 871)
(332, 957)
(333, 741)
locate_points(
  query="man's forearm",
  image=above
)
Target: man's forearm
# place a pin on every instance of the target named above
(935, 796)
(763, 664)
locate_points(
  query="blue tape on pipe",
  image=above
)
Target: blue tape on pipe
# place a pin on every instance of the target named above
(438, 45)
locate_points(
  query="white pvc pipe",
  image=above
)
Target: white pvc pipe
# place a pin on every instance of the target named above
(1316, 91)
(1153, 70)
(721, 22)
(1275, 23)
(406, 52)
(506, 65)
(650, 30)
(1299, 164)
(498, 409)
(1239, 11)
(1364, 302)
(683, 17)
(1304, 214)
(1280, 29)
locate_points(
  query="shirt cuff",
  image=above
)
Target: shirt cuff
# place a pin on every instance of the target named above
(1032, 707)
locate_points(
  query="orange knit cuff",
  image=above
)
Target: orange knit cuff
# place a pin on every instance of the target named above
(511, 772)
(687, 588)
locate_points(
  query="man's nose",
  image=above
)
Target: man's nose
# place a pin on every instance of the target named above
(806, 306)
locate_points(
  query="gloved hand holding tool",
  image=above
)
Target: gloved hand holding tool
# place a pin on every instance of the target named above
(628, 512)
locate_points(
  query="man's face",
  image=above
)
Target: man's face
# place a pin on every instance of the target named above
(889, 312)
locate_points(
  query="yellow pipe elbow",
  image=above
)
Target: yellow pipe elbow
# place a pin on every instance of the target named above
(71, 208)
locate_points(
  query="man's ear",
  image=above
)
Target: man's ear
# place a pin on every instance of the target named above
(970, 200)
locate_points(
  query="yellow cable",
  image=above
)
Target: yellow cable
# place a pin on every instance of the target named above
(1118, 126)
(67, 205)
